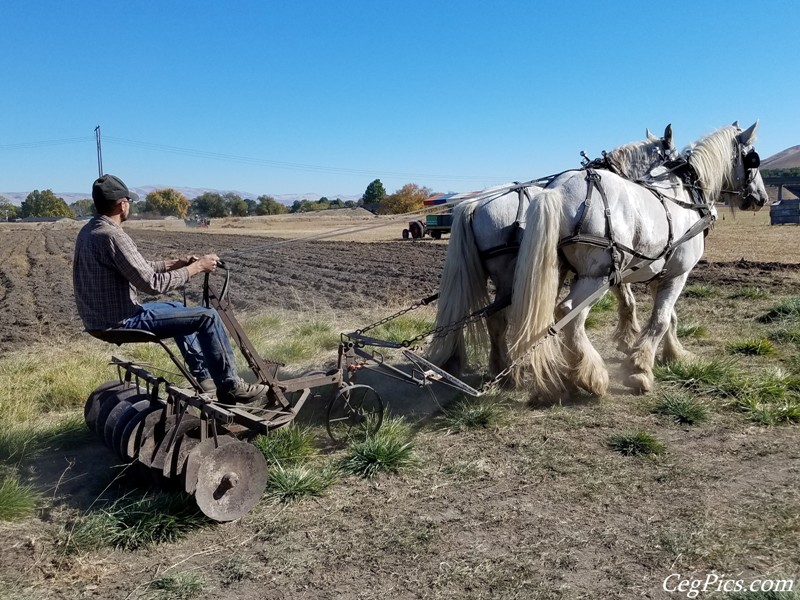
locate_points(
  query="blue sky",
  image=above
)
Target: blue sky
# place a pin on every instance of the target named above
(322, 97)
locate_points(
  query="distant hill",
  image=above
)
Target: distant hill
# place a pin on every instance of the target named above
(287, 199)
(785, 159)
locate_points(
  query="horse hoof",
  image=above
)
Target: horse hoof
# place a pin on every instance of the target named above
(640, 383)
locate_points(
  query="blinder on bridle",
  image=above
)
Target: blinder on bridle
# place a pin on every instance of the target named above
(751, 160)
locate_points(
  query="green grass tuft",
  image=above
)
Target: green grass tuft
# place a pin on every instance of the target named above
(770, 397)
(180, 586)
(692, 330)
(779, 412)
(235, 570)
(786, 335)
(402, 328)
(716, 377)
(605, 304)
(682, 408)
(472, 413)
(751, 347)
(286, 484)
(128, 523)
(390, 449)
(636, 443)
(699, 290)
(788, 310)
(17, 501)
(749, 293)
(20, 442)
(49, 379)
(288, 445)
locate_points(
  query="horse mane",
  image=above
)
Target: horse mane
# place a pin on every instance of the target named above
(710, 157)
(633, 161)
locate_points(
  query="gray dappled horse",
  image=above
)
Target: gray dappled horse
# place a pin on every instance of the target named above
(656, 226)
(484, 241)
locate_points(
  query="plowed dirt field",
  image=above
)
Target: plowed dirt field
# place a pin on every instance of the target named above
(36, 274)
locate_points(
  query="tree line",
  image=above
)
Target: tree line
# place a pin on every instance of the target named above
(787, 172)
(171, 203)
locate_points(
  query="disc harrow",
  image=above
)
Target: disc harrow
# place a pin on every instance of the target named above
(181, 438)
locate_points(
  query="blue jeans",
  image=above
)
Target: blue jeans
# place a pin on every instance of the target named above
(199, 334)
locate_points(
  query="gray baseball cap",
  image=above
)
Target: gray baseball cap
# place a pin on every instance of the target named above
(109, 189)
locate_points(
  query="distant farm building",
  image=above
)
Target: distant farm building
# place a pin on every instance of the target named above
(786, 210)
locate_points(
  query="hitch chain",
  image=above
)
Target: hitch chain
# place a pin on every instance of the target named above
(439, 331)
(497, 379)
(442, 330)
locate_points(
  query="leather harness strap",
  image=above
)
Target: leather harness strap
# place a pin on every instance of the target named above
(512, 245)
(616, 248)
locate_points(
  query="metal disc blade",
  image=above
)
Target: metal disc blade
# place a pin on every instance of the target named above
(132, 435)
(153, 430)
(231, 481)
(163, 455)
(176, 457)
(180, 456)
(196, 458)
(122, 424)
(94, 402)
(120, 411)
(108, 402)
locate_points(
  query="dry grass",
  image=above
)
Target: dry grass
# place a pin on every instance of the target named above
(764, 242)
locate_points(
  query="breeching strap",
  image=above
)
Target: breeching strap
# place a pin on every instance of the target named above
(511, 246)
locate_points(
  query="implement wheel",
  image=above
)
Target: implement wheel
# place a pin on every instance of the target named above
(354, 413)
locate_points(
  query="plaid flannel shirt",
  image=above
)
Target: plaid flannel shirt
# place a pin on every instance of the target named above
(108, 270)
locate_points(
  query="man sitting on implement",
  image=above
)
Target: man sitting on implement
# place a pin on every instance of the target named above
(107, 272)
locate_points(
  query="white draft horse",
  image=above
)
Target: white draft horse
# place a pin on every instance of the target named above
(656, 226)
(484, 241)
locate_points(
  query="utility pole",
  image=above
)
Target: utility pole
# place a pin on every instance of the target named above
(99, 152)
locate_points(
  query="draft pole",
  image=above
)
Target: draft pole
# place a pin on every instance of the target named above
(99, 152)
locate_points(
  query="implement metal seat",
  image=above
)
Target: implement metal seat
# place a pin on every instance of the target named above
(121, 336)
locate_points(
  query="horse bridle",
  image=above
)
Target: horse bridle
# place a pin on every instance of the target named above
(750, 161)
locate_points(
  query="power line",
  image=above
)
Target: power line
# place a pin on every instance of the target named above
(44, 143)
(247, 160)
(280, 164)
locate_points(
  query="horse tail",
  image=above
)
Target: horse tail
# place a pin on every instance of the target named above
(536, 287)
(462, 290)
